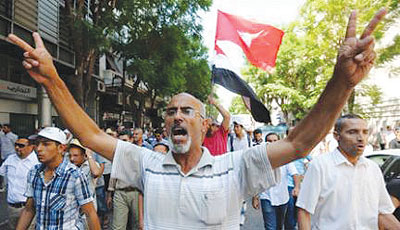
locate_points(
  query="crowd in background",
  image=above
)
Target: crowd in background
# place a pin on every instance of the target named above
(120, 206)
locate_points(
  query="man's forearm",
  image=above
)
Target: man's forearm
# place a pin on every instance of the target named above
(296, 180)
(388, 222)
(304, 219)
(141, 211)
(310, 131)
(316, 125)
(74, 117)
(93, 221)
(225, 114)
(95, 169)
(25, 219)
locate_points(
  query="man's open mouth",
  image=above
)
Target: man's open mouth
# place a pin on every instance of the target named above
(178, 134)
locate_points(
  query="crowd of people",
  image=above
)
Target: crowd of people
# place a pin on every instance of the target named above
(103, 193)
(198, 175)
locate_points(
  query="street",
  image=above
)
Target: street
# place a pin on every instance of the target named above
(254, 220)
(3, 211)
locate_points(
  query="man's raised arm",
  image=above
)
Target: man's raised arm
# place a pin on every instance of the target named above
(355, 58)
(225, 114)
(39, 64)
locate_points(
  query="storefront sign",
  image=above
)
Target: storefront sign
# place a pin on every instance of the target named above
(17, 89)
(110, 116)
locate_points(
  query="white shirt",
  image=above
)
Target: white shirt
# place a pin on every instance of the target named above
(340, 195)
(238, 144)
(16, 170)
(279, 194)
(208, 197)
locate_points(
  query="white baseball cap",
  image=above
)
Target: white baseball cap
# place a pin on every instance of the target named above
(54, 134)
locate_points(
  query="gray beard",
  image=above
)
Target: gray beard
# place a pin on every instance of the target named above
(181, 148)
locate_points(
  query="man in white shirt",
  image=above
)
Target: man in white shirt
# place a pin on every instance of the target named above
(274, 201)
(16, 168)
(342, 189)
(239, 140)
(188, 188)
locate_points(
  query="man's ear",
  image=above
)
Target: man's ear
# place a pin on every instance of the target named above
(336, 135)
(205, 125)
(61, 148)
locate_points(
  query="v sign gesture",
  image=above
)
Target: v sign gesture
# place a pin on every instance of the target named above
(356, 55)
(38, 62)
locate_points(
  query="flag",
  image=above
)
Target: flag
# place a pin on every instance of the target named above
(258, 42)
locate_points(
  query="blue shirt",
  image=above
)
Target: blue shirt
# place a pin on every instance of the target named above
(300, 165)
(57, 202)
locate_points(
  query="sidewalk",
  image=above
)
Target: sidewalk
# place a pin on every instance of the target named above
(3, 212)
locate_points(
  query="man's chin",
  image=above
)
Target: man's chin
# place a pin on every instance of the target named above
(181, 148)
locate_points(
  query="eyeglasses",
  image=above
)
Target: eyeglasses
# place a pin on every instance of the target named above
(185, 111)
(19, 145)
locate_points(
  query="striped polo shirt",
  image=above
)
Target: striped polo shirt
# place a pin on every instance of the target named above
(208, 197)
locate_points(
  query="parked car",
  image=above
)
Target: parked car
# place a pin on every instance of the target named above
(388, 161)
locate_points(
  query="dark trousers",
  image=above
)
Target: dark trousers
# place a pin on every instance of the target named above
(291, 214)
(273, 216)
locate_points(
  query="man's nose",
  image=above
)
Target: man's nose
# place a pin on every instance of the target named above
(178, 116)
(39, 147)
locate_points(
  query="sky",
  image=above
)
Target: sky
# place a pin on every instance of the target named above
(273, 12)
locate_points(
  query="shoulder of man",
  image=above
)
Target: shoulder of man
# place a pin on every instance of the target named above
(73, 170)
(11, 159)
(35, 169)
(321, 160)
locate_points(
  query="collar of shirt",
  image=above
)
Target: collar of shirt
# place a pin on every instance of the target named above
(206, 159)
(339, 158)
(85, 163)
(60, 168)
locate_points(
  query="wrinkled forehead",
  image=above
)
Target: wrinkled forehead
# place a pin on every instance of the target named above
(185, 101)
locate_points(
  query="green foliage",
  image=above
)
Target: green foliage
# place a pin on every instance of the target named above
(308, 53)
(161, 38)
(237, 106)
(389, 53)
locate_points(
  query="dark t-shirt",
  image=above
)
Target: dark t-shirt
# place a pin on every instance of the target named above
(393, 188)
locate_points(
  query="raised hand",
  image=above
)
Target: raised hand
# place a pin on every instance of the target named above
(211, 99)
(89, 153)
(356, 55)
(37, 61)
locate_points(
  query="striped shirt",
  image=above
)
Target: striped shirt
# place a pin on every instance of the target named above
(57, 201)
(208, 197)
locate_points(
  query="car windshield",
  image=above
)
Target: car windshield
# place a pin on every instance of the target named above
(386, 163)
(379, 159)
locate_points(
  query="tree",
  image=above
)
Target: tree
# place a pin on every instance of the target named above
(237, 106)
(308, 53)
(161, 40)
(158, 39)
(87, 25)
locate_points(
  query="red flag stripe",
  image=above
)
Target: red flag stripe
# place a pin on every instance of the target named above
(259, 42)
